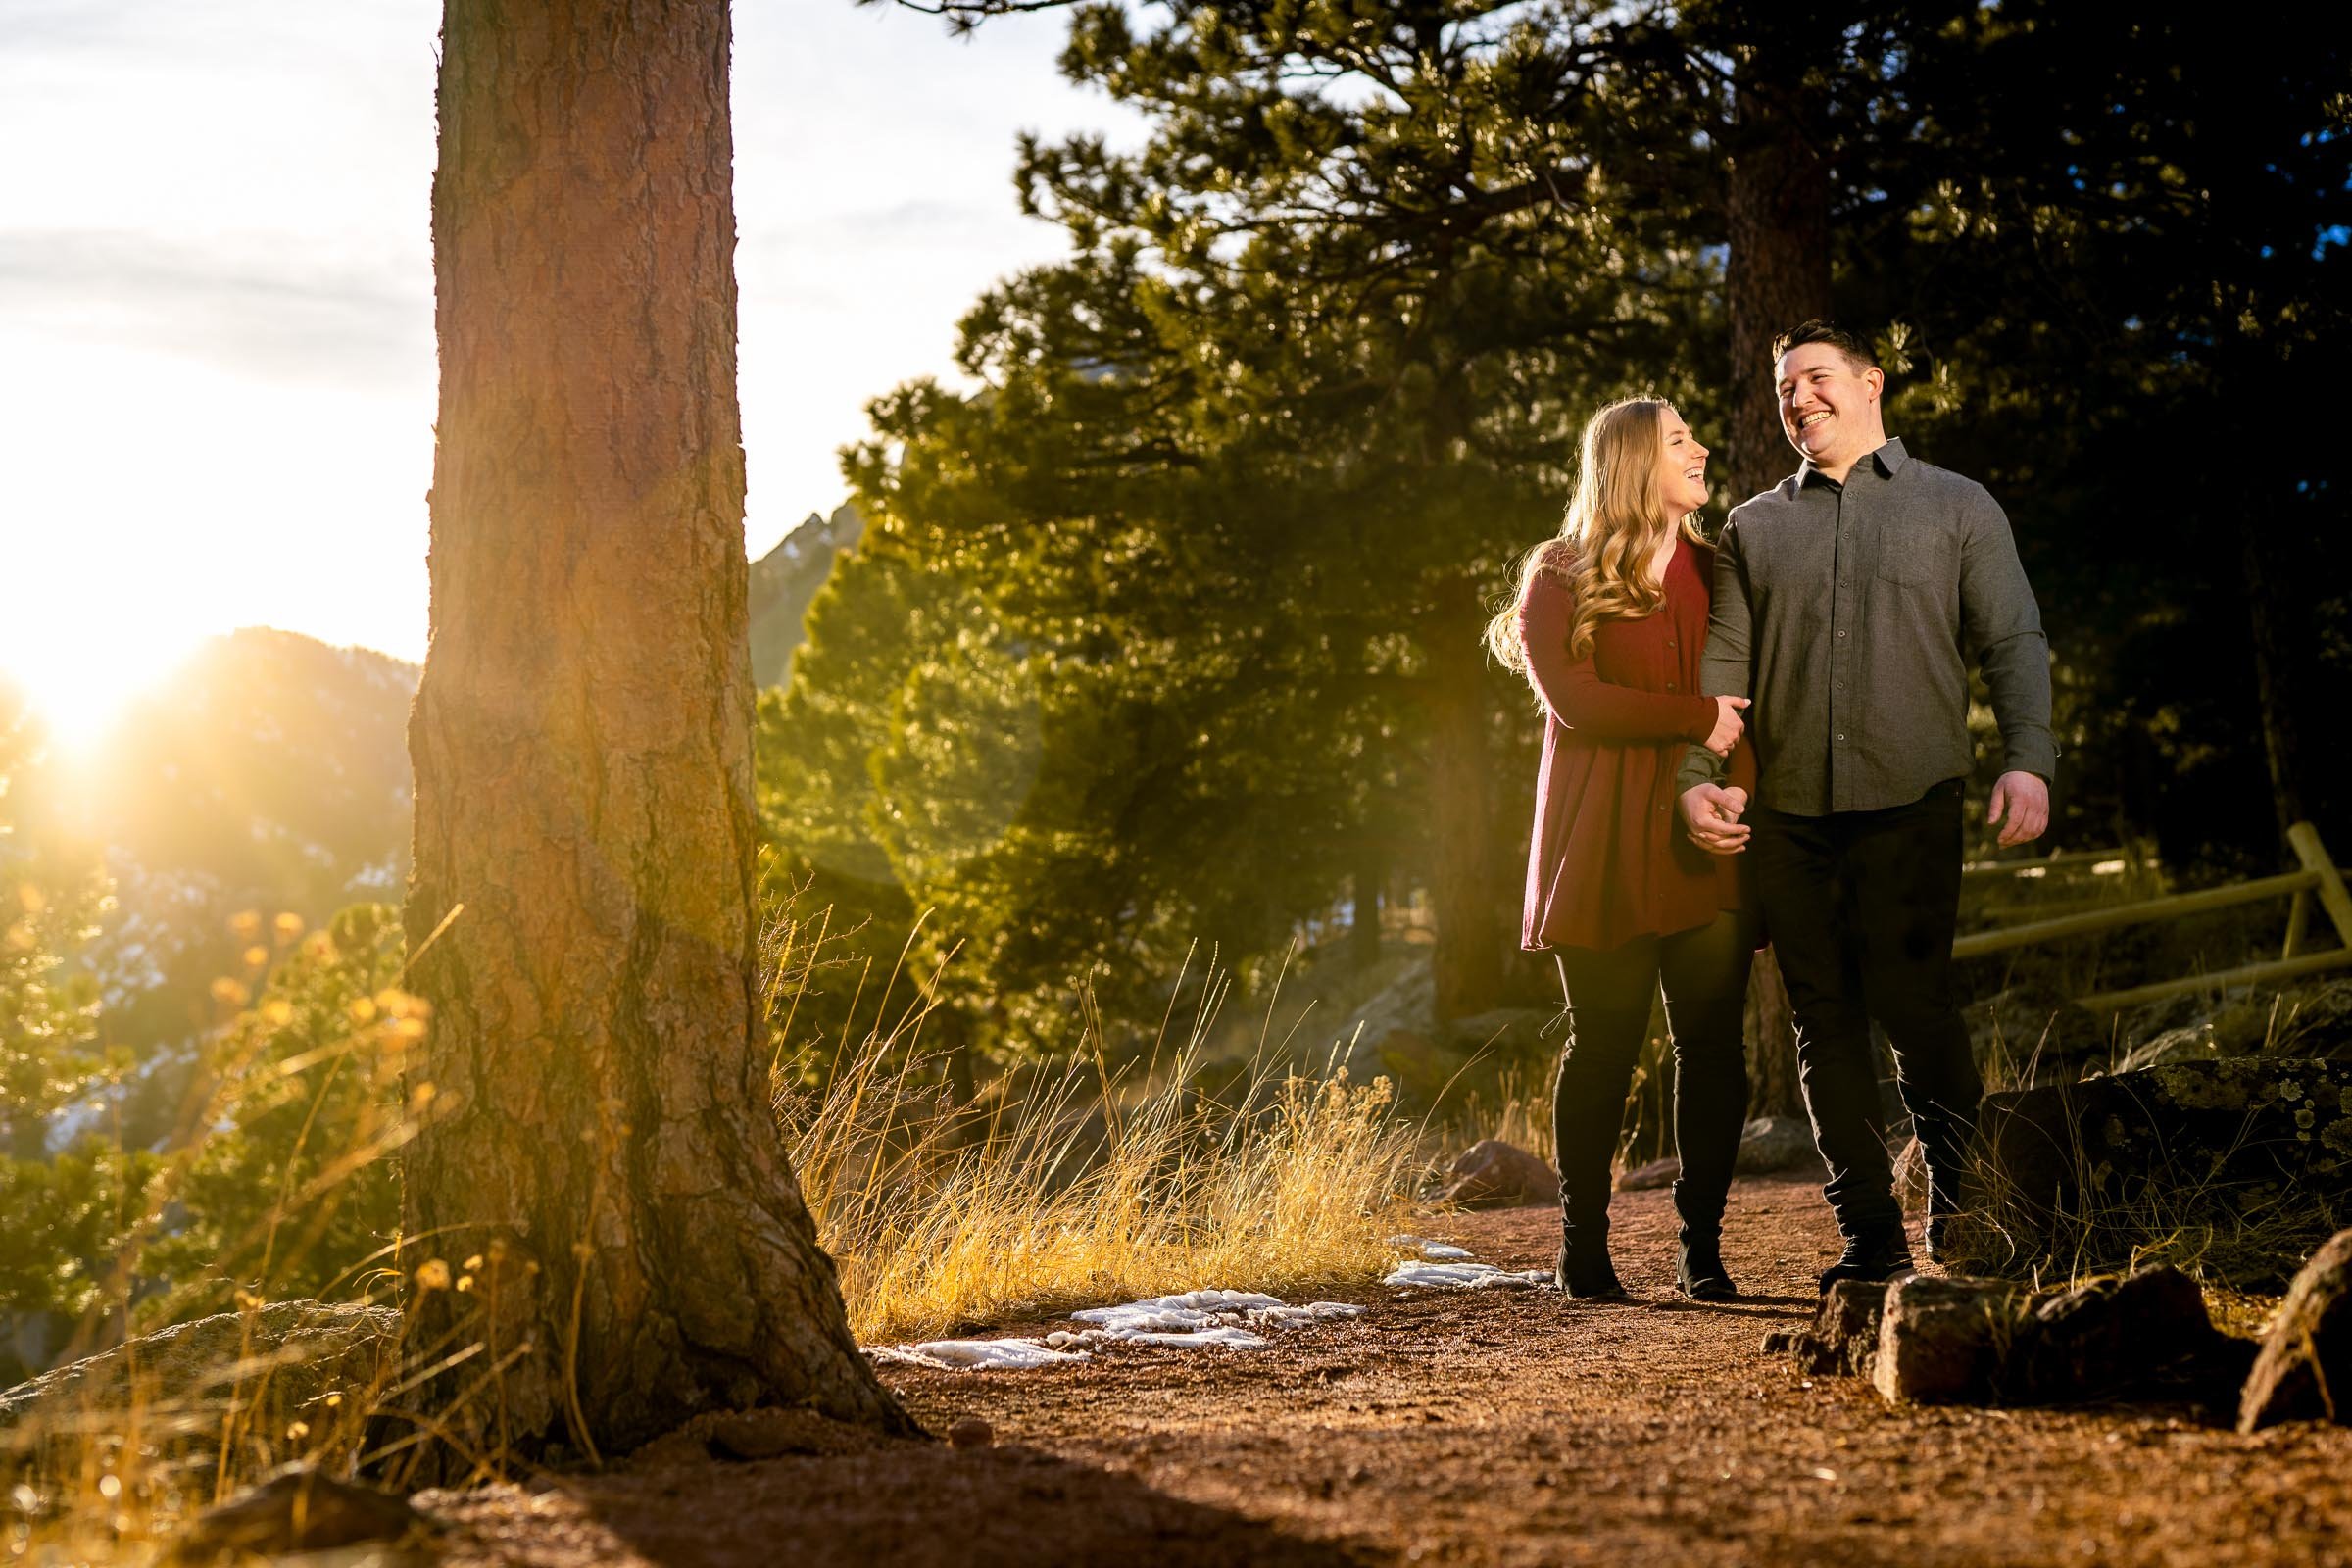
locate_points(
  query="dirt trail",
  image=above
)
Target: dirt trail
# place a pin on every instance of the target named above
(1478, 1427)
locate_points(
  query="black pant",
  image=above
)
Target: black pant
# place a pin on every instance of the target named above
(1705, 975)
(1861, 906)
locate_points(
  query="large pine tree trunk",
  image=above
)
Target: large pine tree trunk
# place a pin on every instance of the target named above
(1466, 960)
(598, 1137)
(1777, 274)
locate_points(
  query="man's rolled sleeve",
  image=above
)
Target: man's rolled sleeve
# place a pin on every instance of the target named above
(2003, 624)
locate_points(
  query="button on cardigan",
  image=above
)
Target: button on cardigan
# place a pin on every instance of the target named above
(1608, 859)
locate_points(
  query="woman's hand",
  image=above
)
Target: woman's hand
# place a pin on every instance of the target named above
(1727, 726)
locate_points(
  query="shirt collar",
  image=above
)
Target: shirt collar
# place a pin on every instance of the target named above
(1888, 460)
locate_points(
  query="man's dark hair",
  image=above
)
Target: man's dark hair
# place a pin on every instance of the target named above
(1830, 332)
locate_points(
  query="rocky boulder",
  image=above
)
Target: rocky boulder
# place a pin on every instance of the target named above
(2138, 1336)
(1947, 1341)
(2028, 1023)
(1493, 1174)
(1652, 1176)
(1774, 1143)
(1768, 1146)
(2304, 1371)
(1843, 1340)
(1963, 1341)
(2229, 1136)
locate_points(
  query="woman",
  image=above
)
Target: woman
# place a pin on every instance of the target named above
(1609, 624)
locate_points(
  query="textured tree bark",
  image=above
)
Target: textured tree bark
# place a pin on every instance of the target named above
(1777, 273)
(598, 1152)
(1776, 210)
(1466, 960)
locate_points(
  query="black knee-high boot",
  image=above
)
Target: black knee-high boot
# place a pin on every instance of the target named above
(1705, 976)
(1588, 1110)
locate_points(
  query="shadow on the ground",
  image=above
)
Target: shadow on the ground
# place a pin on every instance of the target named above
(907, 1504)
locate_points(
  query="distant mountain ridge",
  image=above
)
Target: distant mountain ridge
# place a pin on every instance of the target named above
(268, 772)
(786, 579)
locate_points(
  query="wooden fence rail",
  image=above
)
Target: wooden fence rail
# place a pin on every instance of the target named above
(2319, 878)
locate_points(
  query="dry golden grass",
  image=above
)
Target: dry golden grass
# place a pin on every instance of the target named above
(1056, 1187)
(1081, 1186)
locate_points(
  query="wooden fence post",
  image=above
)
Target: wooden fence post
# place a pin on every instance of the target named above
(2332, 895)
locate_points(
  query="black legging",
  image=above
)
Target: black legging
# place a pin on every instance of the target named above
(1704, 971)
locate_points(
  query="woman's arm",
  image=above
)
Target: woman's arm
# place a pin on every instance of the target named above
(1580, 699)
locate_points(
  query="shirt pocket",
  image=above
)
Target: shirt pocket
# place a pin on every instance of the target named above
(1916, 558)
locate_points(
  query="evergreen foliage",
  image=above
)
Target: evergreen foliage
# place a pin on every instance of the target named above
(1220, 520)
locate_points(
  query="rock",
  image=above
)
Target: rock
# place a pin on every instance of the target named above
(2190, 1143)
(1962, 1340)
(1944, 1340)
(1493, 1174)
(1772, 1143)
(2139, 1335)
(2025, 1023)
(1911, 1177)
(2304, 1370)
(297, 1509)
(2195, 1042)
(1645, 1178)
(1843, 1340)
(971, 1432)
(281, 1362)
(1767, 1145)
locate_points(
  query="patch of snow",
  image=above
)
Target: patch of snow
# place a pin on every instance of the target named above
(1232, 1337)
(976, 1354)
(1191, 1310)
(1311, 1312)
(1468, 1276)
(1435, 1251)
(1191, 1321)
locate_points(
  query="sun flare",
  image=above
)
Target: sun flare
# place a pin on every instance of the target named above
(78, 693)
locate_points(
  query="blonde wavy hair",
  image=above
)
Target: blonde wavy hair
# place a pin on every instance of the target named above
(1615, 519)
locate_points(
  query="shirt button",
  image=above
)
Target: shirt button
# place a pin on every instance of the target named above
(1841, 737)
(1670, 685)
(1841, 634)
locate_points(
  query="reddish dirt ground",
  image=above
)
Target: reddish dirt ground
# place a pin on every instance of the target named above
(1472, 1427)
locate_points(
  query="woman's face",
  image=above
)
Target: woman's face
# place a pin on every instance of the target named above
(1683, 465)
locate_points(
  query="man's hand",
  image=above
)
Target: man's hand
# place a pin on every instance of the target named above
(1711, 814)
(1727, 726)
(2020, 808)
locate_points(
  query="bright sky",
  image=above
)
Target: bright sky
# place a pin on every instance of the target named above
(216, 296)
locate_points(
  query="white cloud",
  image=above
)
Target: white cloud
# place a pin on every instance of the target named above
(215, 284)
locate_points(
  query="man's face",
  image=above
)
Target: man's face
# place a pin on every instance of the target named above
(1829, 408)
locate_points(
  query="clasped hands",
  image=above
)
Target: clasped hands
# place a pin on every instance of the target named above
(1711, 812)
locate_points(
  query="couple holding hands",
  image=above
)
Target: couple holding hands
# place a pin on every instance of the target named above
(1769, 736)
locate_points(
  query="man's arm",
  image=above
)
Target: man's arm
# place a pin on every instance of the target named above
(2003, 623)
(1724, 668)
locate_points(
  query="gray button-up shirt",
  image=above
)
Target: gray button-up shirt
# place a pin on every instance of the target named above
(1845, 613)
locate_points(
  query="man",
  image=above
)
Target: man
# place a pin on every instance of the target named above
(1845, 599)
